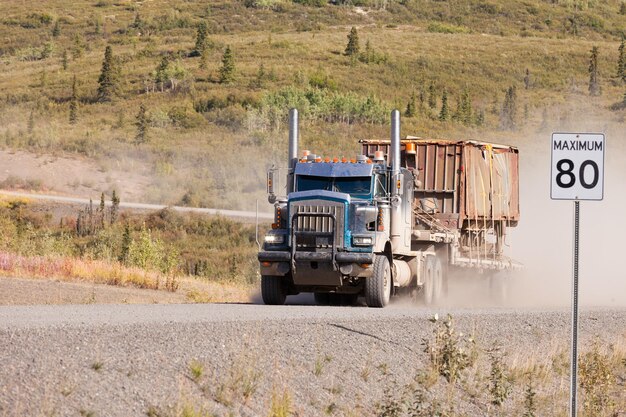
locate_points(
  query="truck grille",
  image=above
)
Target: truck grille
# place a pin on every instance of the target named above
(317, 224)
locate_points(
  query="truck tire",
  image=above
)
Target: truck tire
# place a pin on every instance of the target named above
(433, 290)
(499, 288)
(273, 290)
(378, 286)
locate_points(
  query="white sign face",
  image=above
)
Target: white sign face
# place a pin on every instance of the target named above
(577, 166)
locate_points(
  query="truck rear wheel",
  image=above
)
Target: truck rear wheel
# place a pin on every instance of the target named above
(273, 290)
(378, 286)
(433, 281)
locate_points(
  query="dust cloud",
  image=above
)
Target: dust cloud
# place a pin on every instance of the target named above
(543, 241)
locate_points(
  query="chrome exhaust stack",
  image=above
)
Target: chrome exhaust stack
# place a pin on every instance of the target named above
(293, 148)
(394, 151)
(396, 183)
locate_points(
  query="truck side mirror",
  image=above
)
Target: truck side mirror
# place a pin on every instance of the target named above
(271, 196)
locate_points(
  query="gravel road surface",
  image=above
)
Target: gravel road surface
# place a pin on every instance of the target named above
(165, 360)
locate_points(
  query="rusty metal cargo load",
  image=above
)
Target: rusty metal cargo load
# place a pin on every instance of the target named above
(460, 184)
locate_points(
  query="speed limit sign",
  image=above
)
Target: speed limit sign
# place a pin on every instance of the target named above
(577, 166)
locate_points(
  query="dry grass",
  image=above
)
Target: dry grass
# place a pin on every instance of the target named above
(112, 273)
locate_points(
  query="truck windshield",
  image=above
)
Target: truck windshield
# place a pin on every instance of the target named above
(359, 187)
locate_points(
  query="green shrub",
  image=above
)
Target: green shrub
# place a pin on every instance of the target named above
(438, 27)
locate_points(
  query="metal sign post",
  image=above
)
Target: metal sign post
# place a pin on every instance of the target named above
(574, 363)
(577, 174)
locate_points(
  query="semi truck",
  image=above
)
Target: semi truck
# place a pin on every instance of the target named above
(399, 218)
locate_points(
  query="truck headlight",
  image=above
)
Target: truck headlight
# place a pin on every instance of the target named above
(362, 241)
(274, 239)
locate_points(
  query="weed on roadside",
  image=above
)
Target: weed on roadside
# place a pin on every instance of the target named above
(530, 408)
(449, 351)
(280, 405)
(596, 380)
(196, 369)
(499, 384)
(320, 363)
(240, 382)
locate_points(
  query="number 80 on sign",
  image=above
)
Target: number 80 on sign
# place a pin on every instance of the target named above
(577, 166)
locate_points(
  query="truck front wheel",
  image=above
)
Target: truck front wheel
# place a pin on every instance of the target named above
(273, 290)
(378, 286)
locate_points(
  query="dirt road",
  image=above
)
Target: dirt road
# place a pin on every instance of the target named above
(242, 360)
(232, 214)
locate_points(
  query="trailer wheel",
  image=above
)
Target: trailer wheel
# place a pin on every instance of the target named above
(498, 288)
(433, 281)
(378, 286)
(273, 290)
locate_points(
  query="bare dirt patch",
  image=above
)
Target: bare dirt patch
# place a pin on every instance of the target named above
(25, 291)
(68, 175)
(22, 291)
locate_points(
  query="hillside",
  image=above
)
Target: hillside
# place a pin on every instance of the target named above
(208, 140)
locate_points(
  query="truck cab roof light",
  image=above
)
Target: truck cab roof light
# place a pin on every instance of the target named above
(335, 159)
(379, 156)
(318, 159)
(327, 159)
(344, 159)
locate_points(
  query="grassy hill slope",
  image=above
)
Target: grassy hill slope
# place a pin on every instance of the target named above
(209, 142)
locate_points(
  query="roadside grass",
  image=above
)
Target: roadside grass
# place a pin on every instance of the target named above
(207, 259)
(496, 383)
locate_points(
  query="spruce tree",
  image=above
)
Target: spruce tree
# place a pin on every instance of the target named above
(101, 210)
(259, 80)
(141, 122)
(74, 103)
(127, 240)
(352, 48)
(621, 62)
(444, 114)
(432, 98)
(480, 118)
(202, 40)
(527, 79)
(115, 207)
(368, 56)
(31, 122)
(79, 47)
(109, 77)
(64, 60)
(508, 115)
(162, 72)
(138, 22)
(227, 71)
(465, 113)
(594, 82)
(411, 108)
(56, 30)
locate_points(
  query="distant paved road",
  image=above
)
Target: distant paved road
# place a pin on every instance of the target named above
(234, 214)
